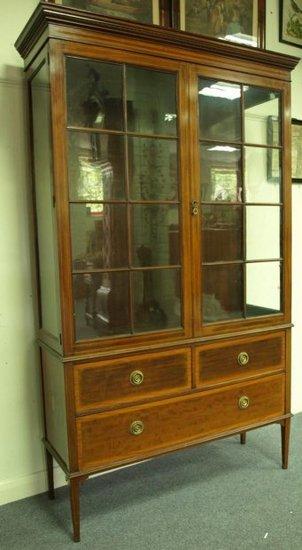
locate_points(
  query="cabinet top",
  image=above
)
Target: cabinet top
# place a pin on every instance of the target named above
(48, 15)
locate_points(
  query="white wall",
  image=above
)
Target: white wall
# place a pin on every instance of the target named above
(22, 471)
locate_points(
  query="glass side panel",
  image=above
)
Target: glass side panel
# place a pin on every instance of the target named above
(101, 304)
(151, 101)
(136, 10)
(157, 299)
(263, 224)
(46, 228)
(155, 235)
(153, 168)
(94, 94)
(96, 166)
(220, 167)
(222, 292)
(95, 236)
(262, 174)
(261, 116)
(263, 288)
(222, 233)
(219, 110)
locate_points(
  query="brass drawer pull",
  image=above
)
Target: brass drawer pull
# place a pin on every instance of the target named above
(137, 427)
(243, 358)
(136, 378)
(244, 402)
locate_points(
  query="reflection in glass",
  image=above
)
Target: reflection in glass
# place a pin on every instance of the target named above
(153, 168)
(263, 288)
(131, 9)
(222, 233)
(262, 174)
(96, 231)
(222, 292)
(151, 101)
(263, 232)
(101, 304)
(157, 299)
(261, 116)
(219, 110)
(220, 173)
(96, 167)
(94, 94)
(155, 235)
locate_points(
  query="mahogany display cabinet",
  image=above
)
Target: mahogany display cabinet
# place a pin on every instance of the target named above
(161, 182)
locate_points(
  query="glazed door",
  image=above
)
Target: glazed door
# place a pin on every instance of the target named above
(126, 202)
(239, 234)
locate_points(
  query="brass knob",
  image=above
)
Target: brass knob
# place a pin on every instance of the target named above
(243, 358)
(244, 402)
(194, 208)
(137, 427)
(136, 377)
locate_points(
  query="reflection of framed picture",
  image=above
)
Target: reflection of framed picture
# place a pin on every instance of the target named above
(241, 21)
(144, 11)
(291, 22)
(297, 151)
(273, 155)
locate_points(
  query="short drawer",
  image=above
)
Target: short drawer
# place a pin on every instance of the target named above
(238, 359)
(110, 438)
(105, 384)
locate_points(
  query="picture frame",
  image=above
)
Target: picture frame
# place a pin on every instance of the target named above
(296, 151)
(290, 22)
(239, 22)
(142, 11)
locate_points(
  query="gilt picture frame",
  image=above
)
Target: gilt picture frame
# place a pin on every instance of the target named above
(290, 28)
(296, 151)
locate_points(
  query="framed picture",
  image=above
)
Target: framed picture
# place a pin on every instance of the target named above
(239, 21)
(143, 11)
(291, 22)
(297, 151)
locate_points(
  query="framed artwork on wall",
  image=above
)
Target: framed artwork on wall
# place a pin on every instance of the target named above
(143, 11)
(296, 151)
(291, 22)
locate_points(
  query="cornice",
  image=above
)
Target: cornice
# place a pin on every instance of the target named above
(47, 14)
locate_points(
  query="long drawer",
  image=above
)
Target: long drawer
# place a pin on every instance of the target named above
(104, 384)
(107, 438)
(246, 357)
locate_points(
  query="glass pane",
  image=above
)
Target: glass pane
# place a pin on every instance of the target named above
(157, 299)
(101, 304)
(261, 110)
(155, 235)
(222, 233)
(263, 288)
(219, 110)
(153, 168)
(222, 292)
(96, 231)
(262, 174)
(96, 168)
(140, 10)
(151, 101)
(263, 232)
(220, 173)
(94, 94)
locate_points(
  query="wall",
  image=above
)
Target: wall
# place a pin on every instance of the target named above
(22, 462)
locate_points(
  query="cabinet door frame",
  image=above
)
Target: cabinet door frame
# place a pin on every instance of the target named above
(58, 51)
(284, 317)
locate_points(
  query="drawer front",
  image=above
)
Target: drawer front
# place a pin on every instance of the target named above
(131, 379)
(236, 360)
(106, 439)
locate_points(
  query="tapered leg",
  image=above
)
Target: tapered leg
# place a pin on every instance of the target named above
(49, 465)
(285, 435)
(243, 438)
(75, 507)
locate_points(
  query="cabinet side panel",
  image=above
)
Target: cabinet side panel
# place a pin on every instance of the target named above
(54, 403)
(43, 192)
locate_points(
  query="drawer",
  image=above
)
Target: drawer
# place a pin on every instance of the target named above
(106, 384)
(115, 437)
(238, 359)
